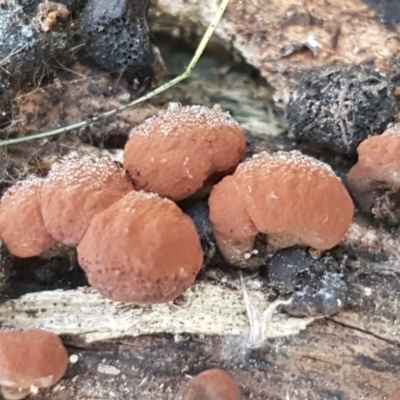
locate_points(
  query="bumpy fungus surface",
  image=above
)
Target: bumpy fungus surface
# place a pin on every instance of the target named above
(31, 358)
(141, 249)
(337, 107)
(182, 149)
(214, 384)
(76, 190)
(21, 223)
(292, 198)
(375, 180)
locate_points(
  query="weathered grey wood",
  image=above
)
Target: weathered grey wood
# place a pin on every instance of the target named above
(206, 308)
(326, 362)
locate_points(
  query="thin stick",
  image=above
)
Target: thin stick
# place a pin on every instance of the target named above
(200, 49)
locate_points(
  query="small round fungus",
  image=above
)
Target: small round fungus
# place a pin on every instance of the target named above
(141, 249)
(21, 223)
(292, 198)
(32, 358)
(374, 181)
(396, 396)
(183, 149)
(213, 384)
(76, 190)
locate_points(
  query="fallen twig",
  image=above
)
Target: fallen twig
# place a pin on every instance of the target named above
(200, 49)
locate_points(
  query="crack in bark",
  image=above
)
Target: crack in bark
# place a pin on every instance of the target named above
(365, 331)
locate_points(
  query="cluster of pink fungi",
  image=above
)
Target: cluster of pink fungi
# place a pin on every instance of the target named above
(135, 243)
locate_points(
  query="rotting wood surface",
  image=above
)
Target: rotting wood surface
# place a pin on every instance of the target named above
(279, 37)
(204, 309)
(131, 352)
(354, 355)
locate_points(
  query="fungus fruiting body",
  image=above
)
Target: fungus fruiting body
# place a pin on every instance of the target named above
(182, 149)
(76, 190)
(292, 198)
(21, 223)
(374, 181)
(396, 396)
(32, 358)
(213, 384)
(49, 12)
(142, 249)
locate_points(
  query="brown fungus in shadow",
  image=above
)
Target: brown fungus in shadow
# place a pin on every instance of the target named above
(141, 249)
(374, 181)
(29, 359)
(183, 149)
(22, 228)
(213, 384)
(76, 190)
(291, 198)
(48, 14)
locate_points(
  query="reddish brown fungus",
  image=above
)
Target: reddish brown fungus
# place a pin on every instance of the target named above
(76, 190)
(183, 149)
(396, 396)
(21, 223)
(292, 198)
(214, 384)
(374, 181)
(32, 358)
(142, 249)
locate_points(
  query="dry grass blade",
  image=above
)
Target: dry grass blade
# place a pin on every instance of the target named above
(200, 49)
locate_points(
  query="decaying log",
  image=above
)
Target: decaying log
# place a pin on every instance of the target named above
(88, 317)
(280, 37)
(125, 351)
(133, 352)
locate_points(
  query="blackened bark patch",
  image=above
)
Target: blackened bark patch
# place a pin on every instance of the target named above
(36, 274)
(118, 40)
(337, 107)
(388, 11)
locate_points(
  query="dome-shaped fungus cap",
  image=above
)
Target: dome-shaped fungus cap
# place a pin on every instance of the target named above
(292, 198)
(213, 384)
(374, 180)
(142, 249)
(182, 149)
(76, 190)
(31, 358)
(21, 223)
